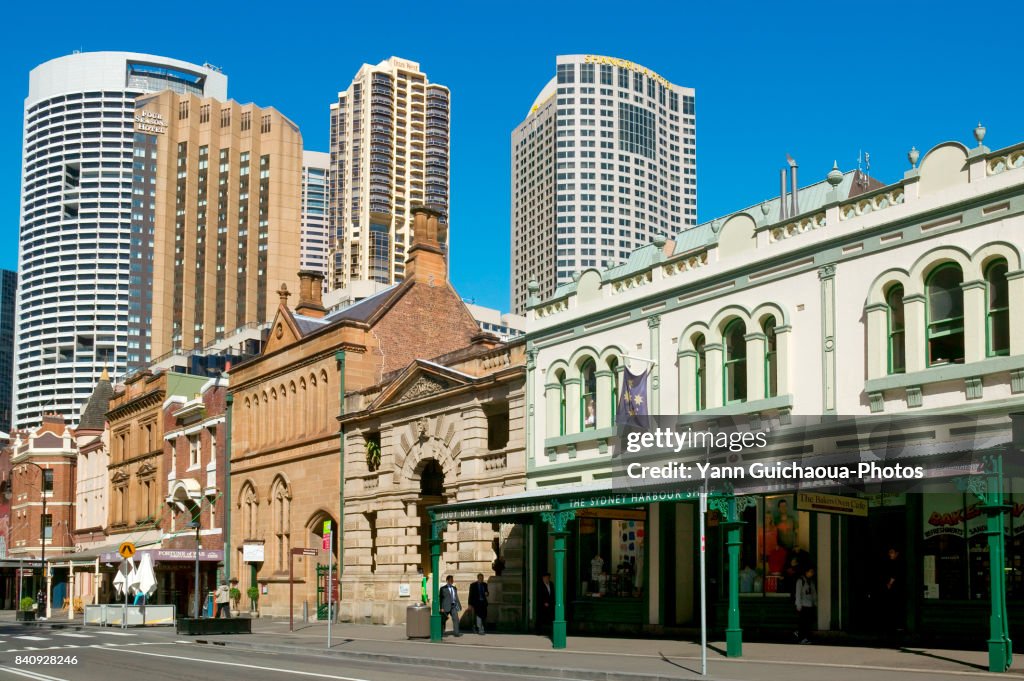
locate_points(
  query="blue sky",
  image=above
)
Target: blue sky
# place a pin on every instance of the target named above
(817, 80)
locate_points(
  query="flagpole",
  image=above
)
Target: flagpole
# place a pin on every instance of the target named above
(639, 359)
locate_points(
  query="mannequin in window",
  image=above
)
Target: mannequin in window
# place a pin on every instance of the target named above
(590, 420)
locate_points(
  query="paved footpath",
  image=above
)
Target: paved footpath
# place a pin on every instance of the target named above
(590, 658)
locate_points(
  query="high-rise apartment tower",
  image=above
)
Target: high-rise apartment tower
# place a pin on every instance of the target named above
(76, 215)
(604, 162)
(316, 176)
(389, 152)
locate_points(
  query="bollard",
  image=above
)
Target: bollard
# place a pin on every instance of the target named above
(305, 612)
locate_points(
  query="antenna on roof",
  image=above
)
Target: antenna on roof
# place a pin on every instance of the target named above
(863, 157)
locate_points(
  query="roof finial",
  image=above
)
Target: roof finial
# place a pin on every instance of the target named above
(283, 293)
(105, 376)
(912, 156)
(835, 176)
(979, 133)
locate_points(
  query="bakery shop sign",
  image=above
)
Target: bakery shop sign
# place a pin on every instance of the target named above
(150, 122)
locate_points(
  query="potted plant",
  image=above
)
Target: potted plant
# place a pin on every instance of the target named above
(26, 613)
(236, 595)
(253, 593)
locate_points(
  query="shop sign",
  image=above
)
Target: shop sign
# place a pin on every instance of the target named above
(150, 122)
(832, 503)
(252, 553)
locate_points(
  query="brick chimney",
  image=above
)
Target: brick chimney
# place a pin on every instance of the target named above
(426, 261)
(311, 301)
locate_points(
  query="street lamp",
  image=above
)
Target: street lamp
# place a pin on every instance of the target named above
(8, 493)
(196, 524)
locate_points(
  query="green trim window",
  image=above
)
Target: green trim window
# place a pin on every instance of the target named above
(613, 366)
(734, 372)
(588, 395)
(561, 402)
(897, 332)
(700, 386)
(997, 309)
(771, 357)
(945, 310)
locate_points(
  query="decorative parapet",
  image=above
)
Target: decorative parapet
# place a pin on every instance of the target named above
(805, 223)
(497, 359)
(1005, 160)
(870, 203)
(686, 263)
(552, 307)
(631, 282)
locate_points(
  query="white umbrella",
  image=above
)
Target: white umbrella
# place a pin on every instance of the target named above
(146, 577)
(125, 576)
(132, 581)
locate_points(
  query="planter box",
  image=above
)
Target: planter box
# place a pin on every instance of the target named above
(191, 626)
(25, 616)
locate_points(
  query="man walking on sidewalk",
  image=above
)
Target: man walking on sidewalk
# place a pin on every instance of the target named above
(478, 593)
(223, 597)
(450, 604)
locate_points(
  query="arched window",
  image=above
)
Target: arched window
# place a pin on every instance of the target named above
(945, 315)
(897, 330)
(613, 366)
(701, 387)
(281, 502)
(735, 363)
(771, 359)
(997, 308)
(588, 395)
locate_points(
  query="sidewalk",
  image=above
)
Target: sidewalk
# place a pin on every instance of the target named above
(615, 659)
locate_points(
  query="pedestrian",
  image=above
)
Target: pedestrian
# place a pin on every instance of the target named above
(478, 593)
(806, 599)
(450, 604)
(545, 604)
(892, 595)
(41, 604)
(223, 598)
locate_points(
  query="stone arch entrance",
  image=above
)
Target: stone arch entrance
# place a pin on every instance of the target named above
(432, 492)
(312, 579)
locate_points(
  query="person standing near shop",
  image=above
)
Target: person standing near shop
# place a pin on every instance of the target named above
(450, 604)
(478, 593)
(223, 597)
(806, 600)
(545, 604)
(892, 593)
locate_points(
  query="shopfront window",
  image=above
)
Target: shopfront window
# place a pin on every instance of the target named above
(955, 555)
(776, 545)
(611, 553)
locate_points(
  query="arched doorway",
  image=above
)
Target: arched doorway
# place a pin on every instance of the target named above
(315, 570)
(431, 494)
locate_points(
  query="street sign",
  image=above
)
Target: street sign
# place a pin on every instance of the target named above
(327, 542)
(126, 549)
(327, 527)
(305, 552)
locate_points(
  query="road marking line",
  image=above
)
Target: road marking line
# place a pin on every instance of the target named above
(72, 634)
(244, 666)
(114, 633)
(29, 674)
(32, 638)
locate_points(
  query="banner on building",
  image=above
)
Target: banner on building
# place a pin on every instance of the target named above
(252, 553)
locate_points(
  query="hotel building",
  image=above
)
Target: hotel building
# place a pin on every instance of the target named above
(604, 162)
(389, 152)
(76, 215)
(313, 238)
(217, 194)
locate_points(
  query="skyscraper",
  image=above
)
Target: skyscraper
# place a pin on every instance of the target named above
(8, 303)
(216, 220)
(389, 152)
(313, 243)
(76, 213)
(604, 162)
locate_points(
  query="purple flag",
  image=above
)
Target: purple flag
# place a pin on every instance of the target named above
(632, 407)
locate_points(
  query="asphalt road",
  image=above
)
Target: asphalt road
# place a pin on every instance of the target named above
(115, 655)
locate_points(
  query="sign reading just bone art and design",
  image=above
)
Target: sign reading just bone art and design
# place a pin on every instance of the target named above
(252, 553)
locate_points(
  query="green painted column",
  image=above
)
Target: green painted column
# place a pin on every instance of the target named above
(229, 402)
(559, 521)
(731, 508)
(339, 356)
(436, 628)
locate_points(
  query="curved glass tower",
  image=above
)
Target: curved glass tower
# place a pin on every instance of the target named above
(76, 213)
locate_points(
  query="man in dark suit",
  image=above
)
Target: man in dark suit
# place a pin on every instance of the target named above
(545, 604)
(478, 594)
(450, 604)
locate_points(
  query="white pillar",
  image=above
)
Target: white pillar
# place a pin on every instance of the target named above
(687, 370)
(975, 322)
(1015, 289)
(572, 405)
(915, 332)
(71, 591)
(713, 375)
(603, 398)
(878, 340)
(552, 409)
(783, 337)
(755, 366)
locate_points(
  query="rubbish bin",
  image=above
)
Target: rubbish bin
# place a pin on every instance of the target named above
(417, 621)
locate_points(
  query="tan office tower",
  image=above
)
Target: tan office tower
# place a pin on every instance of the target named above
(604, 162)
(389, 152)
(215, 220)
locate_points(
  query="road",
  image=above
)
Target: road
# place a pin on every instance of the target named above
(156, 655)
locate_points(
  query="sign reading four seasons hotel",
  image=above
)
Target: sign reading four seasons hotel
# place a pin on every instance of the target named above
(150, 122)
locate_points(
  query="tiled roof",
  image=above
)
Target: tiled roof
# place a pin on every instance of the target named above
(94, 416)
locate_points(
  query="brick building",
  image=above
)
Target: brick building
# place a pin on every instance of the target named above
(285, 462)
(43, 463)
